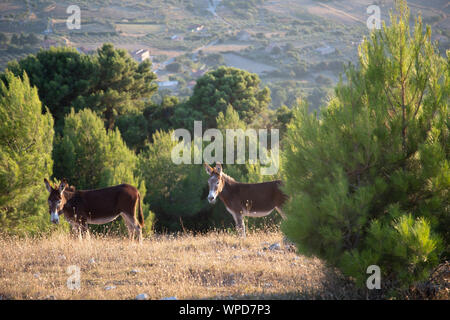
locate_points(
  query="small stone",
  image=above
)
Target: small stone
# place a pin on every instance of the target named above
(142, 296)
(37, 275)
(110, 287)
(275, 246)
(134, 271)
(91, 261)
(62, 257)
(169, 298)
(50, 297)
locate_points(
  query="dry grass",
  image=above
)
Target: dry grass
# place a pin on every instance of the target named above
(213, 266)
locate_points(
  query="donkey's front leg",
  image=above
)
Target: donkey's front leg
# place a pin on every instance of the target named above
(79, 228)
(240, 225)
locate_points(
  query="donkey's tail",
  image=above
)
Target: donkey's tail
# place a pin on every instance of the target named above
(141, 214)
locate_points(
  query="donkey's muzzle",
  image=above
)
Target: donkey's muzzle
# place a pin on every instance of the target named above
(211, 200)
(54, 218)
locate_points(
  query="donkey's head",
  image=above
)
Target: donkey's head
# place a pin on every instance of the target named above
(216, 181)
(56, 200)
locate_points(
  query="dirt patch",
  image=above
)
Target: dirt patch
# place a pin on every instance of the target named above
(224, 48)
(236, 61)
(327, 11)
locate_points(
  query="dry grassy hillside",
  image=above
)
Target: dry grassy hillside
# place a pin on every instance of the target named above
(213, 266)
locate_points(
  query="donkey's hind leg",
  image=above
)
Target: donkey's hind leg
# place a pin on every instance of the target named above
(281, 213)
(132, 225)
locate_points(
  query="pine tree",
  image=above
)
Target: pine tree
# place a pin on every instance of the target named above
(121, 84)
(90, 157)
(227, 86)
(61, 75)
(369, 178)
(111, 82)
(26, 137)
(176, 190)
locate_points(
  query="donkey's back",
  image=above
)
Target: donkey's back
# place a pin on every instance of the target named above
(110, 199)
(260, 197)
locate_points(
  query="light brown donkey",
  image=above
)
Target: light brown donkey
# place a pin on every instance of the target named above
(100, 206)
(244, 199)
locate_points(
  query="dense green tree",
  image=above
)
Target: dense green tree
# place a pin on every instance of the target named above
(162, 116)
(175, 190)
(121, 86)
(109, 82)
(90, 157)
(26, 137)
(134, 129)
(61, 75)
(227, 86)
(283, 116)
(368, 181)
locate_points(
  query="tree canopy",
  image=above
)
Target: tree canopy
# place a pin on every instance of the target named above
(110, 82)
(228, 86)
(61, 75)
(369, 178)
(26, 138)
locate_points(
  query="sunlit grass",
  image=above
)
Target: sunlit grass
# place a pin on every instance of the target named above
(217, 265)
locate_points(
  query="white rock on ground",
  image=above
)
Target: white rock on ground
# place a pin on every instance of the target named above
(275, 246)
(142, 296)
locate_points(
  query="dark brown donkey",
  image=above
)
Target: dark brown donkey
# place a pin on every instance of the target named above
(244, 199)
(83, 207)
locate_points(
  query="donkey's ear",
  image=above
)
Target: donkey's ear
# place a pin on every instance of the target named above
(62, 185)
(208, 169)
(47, 185)
(218, 168)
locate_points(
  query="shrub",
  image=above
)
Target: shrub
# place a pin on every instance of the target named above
(175, 190)
(26, 137)
(369, 179)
